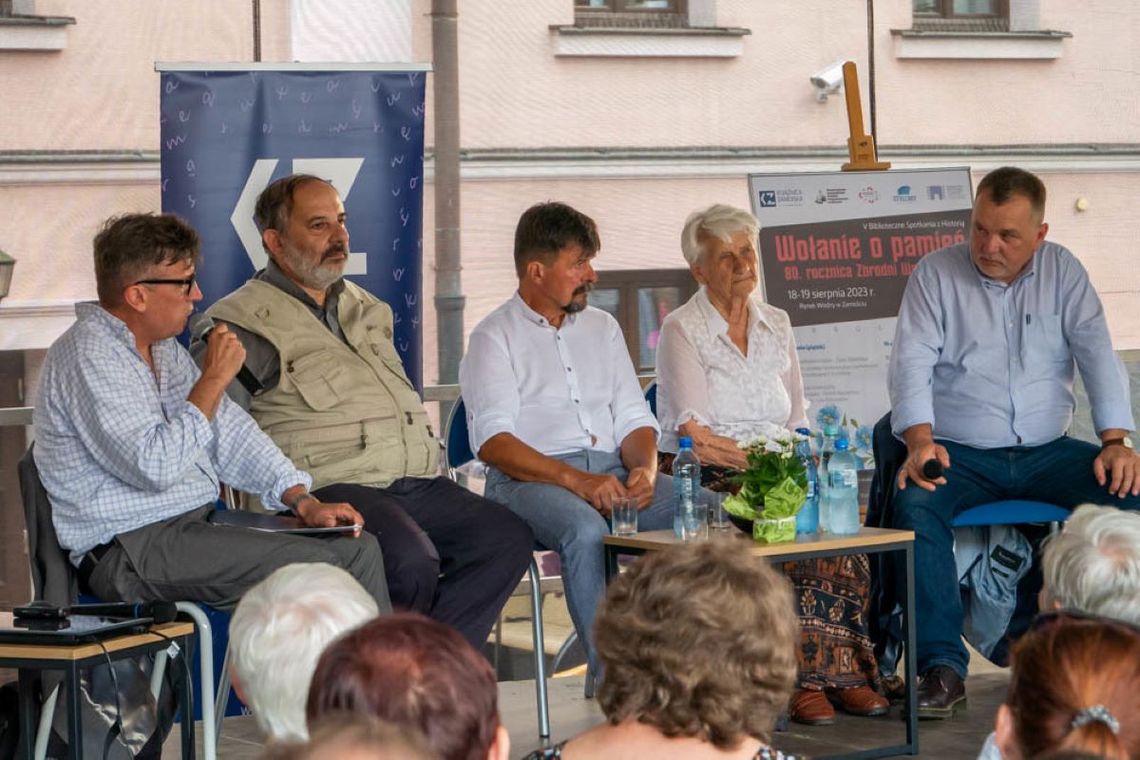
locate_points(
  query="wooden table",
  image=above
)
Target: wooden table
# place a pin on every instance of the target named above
(31, 659)
(866, 541)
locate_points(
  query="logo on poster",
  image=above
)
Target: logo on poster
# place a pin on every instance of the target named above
(831, 195)
(869, 194)
(787, 196)
(904, 195)
(935, 192)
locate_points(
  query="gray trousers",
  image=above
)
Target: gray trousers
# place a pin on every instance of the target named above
(186, 558)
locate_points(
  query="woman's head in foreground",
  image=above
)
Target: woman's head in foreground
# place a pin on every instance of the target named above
(1075, 686)
(699, 641)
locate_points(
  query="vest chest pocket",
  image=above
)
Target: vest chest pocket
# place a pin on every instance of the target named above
(319, 378)
(421, 444)
(381, 345)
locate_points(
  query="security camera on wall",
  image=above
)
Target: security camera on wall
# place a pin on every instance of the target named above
(828, 81)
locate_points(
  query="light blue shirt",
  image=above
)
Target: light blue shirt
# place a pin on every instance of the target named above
(118, 449)
(991, 365)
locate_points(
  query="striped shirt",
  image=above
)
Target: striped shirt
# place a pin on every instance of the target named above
(118, 449)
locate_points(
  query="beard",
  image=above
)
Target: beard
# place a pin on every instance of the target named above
(316, 275)
(578, 301)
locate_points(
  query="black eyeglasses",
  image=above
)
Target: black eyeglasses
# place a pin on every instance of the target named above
(187, 284)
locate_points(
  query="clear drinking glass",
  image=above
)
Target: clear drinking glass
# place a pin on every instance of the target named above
(623, 519)
(696, 523)
(718, 519)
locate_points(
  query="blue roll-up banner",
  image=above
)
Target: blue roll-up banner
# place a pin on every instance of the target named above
(228, 131)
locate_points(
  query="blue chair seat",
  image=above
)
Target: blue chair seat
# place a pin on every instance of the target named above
(1012, 512)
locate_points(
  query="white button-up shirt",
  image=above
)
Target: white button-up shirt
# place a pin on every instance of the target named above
(557, 390)
(703, 376)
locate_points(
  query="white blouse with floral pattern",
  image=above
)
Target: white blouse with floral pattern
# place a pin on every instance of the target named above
(703, 376)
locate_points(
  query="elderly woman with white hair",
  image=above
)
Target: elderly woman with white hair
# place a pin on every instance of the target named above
(727, 372)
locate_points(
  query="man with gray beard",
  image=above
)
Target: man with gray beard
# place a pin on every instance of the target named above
(334, 395)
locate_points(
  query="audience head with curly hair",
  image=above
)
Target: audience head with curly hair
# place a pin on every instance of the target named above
(698, 647)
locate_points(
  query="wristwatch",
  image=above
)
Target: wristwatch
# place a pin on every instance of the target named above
(1125, 441)
(296, 501)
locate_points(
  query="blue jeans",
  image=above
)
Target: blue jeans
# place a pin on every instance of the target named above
(563, 522)
(1058, 472)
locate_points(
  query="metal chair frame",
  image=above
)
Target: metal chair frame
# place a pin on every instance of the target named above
(457, 452)
(212, 696)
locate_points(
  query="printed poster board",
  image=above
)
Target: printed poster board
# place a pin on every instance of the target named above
(836, 249)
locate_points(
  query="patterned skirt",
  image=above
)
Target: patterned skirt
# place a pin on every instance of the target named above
(833, 594)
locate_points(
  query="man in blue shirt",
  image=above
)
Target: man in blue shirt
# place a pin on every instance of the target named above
(132, 441)
(981, 380)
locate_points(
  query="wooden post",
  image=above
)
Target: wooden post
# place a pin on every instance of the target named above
(860, 145)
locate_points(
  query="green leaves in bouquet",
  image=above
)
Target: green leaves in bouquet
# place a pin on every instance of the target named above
(767, 470)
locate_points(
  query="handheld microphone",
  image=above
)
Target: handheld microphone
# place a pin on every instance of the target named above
(200, 328)
(160, 612)
(932, 469)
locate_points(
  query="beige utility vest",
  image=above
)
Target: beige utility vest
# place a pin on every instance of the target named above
(343, 413)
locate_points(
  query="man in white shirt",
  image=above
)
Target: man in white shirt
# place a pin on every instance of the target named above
(555, 408)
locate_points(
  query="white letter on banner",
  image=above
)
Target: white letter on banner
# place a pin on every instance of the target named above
(341, 172)
(242, 217)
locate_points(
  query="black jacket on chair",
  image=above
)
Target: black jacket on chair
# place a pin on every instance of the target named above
(884, 619)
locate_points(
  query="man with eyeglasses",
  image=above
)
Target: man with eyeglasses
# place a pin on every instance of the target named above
(132, 441)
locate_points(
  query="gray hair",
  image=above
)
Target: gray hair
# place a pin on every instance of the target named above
(278, 632)
(1093, 564)
(718, 221)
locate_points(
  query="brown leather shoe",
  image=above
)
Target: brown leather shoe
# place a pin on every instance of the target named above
(859, 700)
(811, 708)
(940, 691)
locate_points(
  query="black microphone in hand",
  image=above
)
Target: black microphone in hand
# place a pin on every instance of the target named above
(160, 612)
(200, 328)
(932, 469)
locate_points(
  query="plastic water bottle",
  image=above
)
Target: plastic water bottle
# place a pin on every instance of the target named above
(807, 519)
(826, 449)
(843, 491)
(687, 506)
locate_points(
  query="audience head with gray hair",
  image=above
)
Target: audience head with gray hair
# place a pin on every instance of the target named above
(278, 632)
(1074, 678)
(1093, 564)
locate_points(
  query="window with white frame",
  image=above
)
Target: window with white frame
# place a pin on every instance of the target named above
(963, 15)
(631, 13)
(979, 30)
(639, 299)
